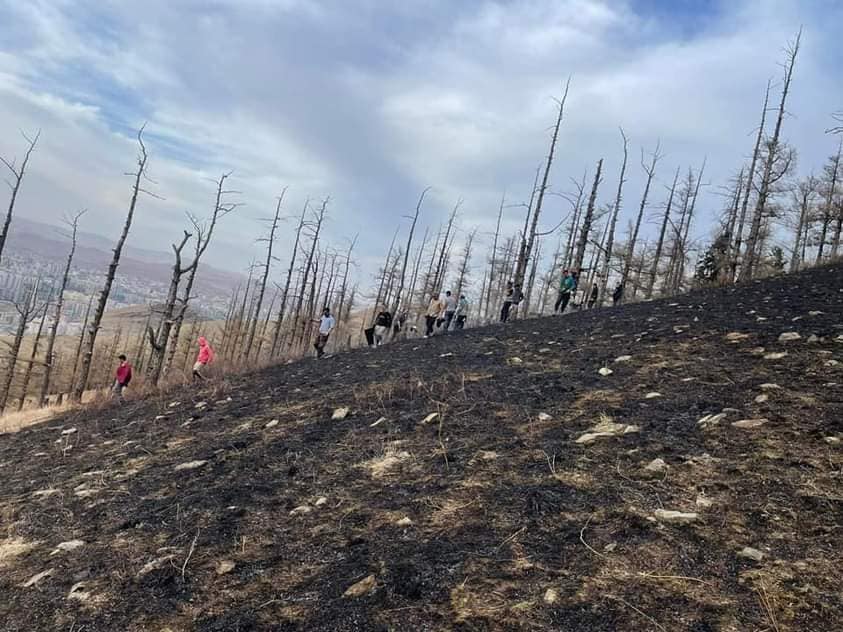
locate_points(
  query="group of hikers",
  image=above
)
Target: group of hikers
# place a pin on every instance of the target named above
(123, 374)
(444, 313)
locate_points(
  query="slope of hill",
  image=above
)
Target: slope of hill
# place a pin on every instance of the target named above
(491, 480)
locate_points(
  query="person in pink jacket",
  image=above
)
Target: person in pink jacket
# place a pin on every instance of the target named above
(205, 357)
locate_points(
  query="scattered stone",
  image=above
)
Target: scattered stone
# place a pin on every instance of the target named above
(703, 502)
(751, 554)
(832, 440)
(340, 414)
(770, 387)
(301, 510)
(378, 422)
(606, 428)
(762, 398)
(653, 395)
(77, 594)
(45, 493)
(749, 424)
(70, 545)
(445, 355)
(813, 338)
(815, 313)
(736, 336)
(545, 350)
(430, 418)
(544, 417)
(775, 356)
(159, 417)
(32, 581)
(831, 363)
(361, 588)
(272, 424)
(69, 431)
(656, 466)
(487, 455)
(675, 517)
(515, 361)
(154, 565)
(190, 465)
(757, 350)
(174, 404)
(605, 371)
(789, 336)
(550, 596)
(225, 566)
(711, 420)
(404, 522)
(201, 405)
(623, 358)
(321, 501)
(610, 547)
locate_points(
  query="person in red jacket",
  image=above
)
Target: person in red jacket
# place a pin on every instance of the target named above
(122, 377)
(205, 357)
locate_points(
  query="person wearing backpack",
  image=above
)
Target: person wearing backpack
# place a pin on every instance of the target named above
(383, 323)
(567, 285)
(122, 377)
(462, 312)
(434, 309)
(508, 297)
(203, 358)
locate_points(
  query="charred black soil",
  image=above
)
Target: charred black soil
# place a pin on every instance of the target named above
(493, 479)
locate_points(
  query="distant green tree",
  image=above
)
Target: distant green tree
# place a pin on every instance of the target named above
(713, 264)
(777, 259)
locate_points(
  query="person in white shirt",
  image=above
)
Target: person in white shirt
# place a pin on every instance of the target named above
(449, 310)
(326, 326)
(462, 312)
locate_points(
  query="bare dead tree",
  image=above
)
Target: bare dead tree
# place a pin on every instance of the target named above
(650, 170)
(831, 179)
(270, 244)
(524, 257)
(441, 265)
(344, 286)
(837, 129)
(613, 219)
(588, 219)
(78, 354)
(33, 354)
(492, 258)
(17, 174)
(465, 262)
(683, 243)
(91, 338)
(49, 359)
(159, 338)
(531, 278)
(416, 270)
(576, 203)
(751, 258)
(319, 218)
(203, 233)
(279, 320)
(27, 310)
(654, 269)
(804, 193)
(396, 301)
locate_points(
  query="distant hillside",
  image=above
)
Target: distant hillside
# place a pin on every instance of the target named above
(93, 252)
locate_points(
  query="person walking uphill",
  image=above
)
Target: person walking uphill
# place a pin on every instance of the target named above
(434, 308)
(326, 326)
(566, 288)
(462, 312)
(122, 377)
(203, 358)
(383, 323)
(450, 303)
(508, 297)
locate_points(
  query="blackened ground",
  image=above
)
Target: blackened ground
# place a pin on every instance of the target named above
(512, 523)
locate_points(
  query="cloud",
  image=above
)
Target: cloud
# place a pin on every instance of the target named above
(370, 103)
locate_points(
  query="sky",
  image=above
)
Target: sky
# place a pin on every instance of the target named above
(370, 101)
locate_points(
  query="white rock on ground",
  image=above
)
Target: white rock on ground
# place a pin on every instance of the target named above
(656, 466)
(605, 371)
(272, 424)
(321, 501)
(789, 336)
(749, 424)
(224, 567)
(675, 517)
(778, 355)
(340, 413)
(32, 581)
(550, 596)
(155, 565)
(404, 522)
(762, 398)
(623, 358)
(190, 465)
(544, 417)
(751, 554)
(378, 422)
(736, 336)
(606, 428)
(653, 395)
(770, 387)
(70, 545)
(703, 502)
(711, 420)
(69, 431)
(430, 418)
(361, 588)
(77, 594)
(301, 510)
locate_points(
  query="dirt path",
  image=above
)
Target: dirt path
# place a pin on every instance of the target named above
(488, 480)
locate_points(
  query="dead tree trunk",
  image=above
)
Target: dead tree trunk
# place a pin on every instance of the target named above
(832, 172)
(571, 241)
(270, 242)
(464, 269)
(654, 269)
(439, 276)
(630, 250)
(751, 258)
(26, 312)
(27, 374)
(78, 354)
(17, 178)
(203, 240)
(319, 217)
(750, 180)
(613, 219)
(276, 334)
(531, 279)
(588, 219)
(396, 302)
(416, 269)
(91, 339)
(524, 257)
(806, 190)
(73, 223)
(492, 259)
(344, 286)
(683, 250)
(158, 339)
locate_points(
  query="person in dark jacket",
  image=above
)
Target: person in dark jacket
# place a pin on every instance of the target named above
(508, 297)
(122, 377)
(617, 295)
(383, 323)
(566, 286)
(595, 292)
